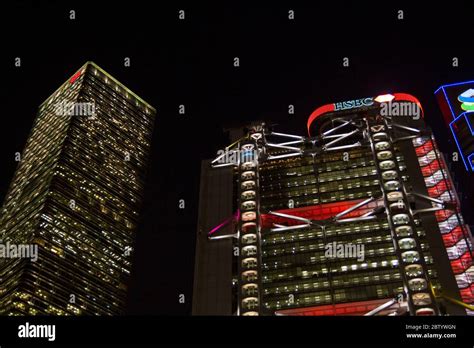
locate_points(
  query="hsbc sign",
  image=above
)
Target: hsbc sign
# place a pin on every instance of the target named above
(352, 104)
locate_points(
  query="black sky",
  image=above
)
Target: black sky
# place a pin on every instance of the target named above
(190, 62)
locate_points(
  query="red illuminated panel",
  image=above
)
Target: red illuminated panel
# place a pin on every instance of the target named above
(75, 77)
(438, 189)
(442, 215)
(424, 149)
(316, 212)
(452, 237)
(429, 169)
(467, 294)
(351, 308)
(462, 264)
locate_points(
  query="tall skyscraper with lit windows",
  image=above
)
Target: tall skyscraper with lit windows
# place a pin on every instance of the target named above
(359, 217)
(76, 194)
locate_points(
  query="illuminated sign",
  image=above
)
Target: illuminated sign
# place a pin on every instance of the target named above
(456, 101)
(75, 77)
(351, 104)
(467, 100)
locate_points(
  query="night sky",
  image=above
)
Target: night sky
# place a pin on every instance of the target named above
(190, 62)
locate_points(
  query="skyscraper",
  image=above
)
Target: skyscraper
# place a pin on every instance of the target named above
(76, 195)
(357, 218)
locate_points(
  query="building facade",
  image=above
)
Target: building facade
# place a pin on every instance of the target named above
(76, 196)
(357, 218)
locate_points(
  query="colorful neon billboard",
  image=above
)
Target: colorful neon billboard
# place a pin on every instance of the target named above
(456, 101)
(467, 100)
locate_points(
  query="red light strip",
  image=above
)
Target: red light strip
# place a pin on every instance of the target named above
(312, 212)
(75, 77)
(233, 218)
(318, 212)
(349, 308)
(318, 112)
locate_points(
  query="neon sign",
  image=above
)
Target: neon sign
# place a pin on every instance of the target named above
(467, 100)
(351, 104)
(456, 101)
